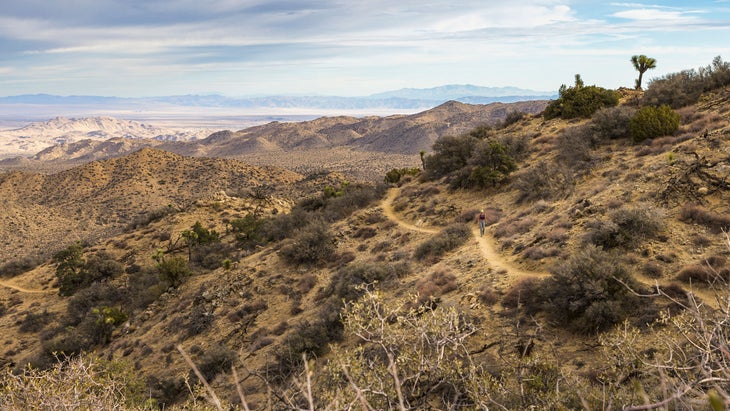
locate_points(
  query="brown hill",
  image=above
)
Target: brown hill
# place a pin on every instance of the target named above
(402, 134)
(46, 212)
(342, 144)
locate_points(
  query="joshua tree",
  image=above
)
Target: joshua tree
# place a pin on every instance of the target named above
(642, 64)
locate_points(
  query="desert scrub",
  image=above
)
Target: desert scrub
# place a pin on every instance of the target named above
(700, 215)
(446, 240)
(432, 287)
(313, 244)
(544, 181)
(612, 122)
(346, 284)
(588, 293)
(625, 227)
(95, 383)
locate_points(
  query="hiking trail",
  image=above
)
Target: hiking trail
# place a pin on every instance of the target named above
(500, 264)
(486, 243)
(23, 289)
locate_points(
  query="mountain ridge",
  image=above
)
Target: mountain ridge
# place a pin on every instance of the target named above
(406, 98)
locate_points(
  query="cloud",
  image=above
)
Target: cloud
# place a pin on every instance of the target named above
(651, 14)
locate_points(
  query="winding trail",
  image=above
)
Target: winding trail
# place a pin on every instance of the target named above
(23, 289)
(486, 243)
(499, 263)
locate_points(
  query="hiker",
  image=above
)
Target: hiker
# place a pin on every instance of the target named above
(482, 219)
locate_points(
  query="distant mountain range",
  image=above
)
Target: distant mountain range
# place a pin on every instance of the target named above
(399, 99)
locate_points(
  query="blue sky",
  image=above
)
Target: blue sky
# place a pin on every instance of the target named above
(136, 48)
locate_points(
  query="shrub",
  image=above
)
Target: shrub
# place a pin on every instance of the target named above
(450, 153)
(347, 283)
(699, 215)
(651, 122)
(446, 240)
(34, 322)
(626, 227)
(511, 118)
(248, 231)
(81, 304)
(544, 181)
(310, 338)
(434, 286)
(471, 160)
(74, 273)
(652, 270)
(711, 272)
(312, 244)
(524, 294)
(489, 165)
(684, 88)
(587, 293)
(173, 270)
(580, 101)
(394, 175)
(613, 122)
(217, 359)
(16, 267)
(73, 383)
(574, 146)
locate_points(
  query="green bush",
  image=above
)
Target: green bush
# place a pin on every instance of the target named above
(313, 244)
(580, 101)
(468, 161)
(248, 231)
(394, 175)
(172, 270)
(651, 122)
(446, 240)
(489, 164)
(199, 235)
(450, 153)
(586, 292)
(74, 273)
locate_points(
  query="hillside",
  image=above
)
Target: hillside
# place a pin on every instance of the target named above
(581, 218)
(46, 212)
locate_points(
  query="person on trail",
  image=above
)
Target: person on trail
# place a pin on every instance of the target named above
(482, 220)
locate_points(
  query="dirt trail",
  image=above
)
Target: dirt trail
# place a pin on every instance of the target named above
(486, 244)
(22, 289)
(499, 263)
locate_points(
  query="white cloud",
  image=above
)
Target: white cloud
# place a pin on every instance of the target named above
(651, 14)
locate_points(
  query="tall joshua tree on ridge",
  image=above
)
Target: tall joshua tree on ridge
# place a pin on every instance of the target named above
(642, 64)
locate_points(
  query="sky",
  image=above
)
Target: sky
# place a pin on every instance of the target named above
(237, 48)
